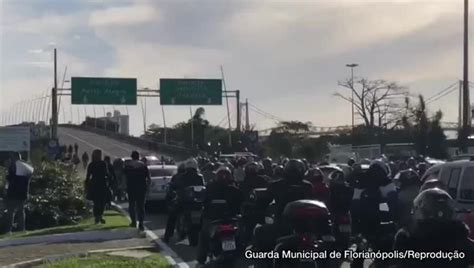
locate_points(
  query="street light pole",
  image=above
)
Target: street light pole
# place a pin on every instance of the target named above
(466, 122)
(352, 66)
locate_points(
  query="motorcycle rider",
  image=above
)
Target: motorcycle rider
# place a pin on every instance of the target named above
(374, 206)
(239, 171)
(208, 172)
(278, 172)
(435, 229)
(422, 167)
(267, 167)
(320, 189)
(409, 186)
(292, 187)
(339, 206)
(190, 177)
(252, 179)
(223, 188)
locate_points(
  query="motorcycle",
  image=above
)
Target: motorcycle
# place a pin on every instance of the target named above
(253, 212)
(342, 229)
(224, 240)
(189, 222)
(312, 234)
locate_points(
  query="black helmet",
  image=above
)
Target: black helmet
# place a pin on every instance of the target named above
(411, 162)
(433, 204)
(406, 178)
(279, 171)
(252, 168)
(432, 183)
(182, 168)
(378, 169)
(267, 162)
(314, 175)
(351, 162)
(294, 169)
(336, 176)
(422, 167)
(308, 216)
(224, 175)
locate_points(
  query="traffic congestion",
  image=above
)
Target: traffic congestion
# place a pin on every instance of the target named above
(293, 213)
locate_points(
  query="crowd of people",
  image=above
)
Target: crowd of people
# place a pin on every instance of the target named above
(389, 206)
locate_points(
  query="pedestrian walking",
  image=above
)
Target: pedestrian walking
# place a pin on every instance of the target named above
(76, 148)
(70, 149)
(18, 180)
(97, 185)
(138, 180)
(85, 159)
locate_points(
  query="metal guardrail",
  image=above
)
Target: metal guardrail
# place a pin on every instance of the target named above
(177, 152)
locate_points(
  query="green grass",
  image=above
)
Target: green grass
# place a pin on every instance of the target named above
(113, 219)
(105, 261)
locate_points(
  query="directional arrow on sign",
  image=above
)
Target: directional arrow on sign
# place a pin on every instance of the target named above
(122, 100)
(84, 100)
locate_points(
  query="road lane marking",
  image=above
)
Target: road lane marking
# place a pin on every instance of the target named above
(170, 255)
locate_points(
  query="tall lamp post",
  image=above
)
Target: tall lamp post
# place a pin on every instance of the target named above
(352, 66)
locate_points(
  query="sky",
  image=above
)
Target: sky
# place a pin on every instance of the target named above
(286, 57)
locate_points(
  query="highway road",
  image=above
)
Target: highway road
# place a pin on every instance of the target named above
(89, 141)
(156, 218)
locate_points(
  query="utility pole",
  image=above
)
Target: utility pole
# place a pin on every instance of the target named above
(466, 102)
(165, 140)
(192, 127)
(352, 66)
(247, 121)
(54, 95)
(460, 121)
(239, 119)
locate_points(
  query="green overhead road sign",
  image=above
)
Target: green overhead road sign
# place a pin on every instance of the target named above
(190, 92)
(98, 90)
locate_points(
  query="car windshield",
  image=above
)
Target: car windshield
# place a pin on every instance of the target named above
(467, 184)
(163, 172)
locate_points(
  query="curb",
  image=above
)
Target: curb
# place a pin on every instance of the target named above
(88, 236)
(54, 258)
(169, 254)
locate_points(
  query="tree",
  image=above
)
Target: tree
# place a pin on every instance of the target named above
(377, 102)
(293, 127)
(427, 133)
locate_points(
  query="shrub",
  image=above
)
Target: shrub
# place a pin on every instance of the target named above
(56, 197)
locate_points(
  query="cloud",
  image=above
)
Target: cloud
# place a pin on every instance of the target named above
(123, 16)
(35, 51)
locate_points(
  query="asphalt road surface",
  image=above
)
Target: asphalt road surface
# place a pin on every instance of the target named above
(89, 141)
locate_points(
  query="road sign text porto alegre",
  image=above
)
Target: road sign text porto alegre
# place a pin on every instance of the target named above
(98, 90)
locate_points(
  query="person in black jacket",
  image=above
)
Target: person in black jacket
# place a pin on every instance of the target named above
(252, 179)
(191, 177)
(18, 179)
(221, 189)
(138, 181)
(434, 229)
(97, 185)
(293, 187)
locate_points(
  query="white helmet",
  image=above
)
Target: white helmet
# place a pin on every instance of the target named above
(191, 163)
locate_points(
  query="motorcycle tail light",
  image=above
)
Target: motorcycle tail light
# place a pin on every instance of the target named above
(226, 229)
(306, 241)
(344, 219)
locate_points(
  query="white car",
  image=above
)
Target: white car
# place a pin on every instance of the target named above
(458, 179)
(160, 179)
